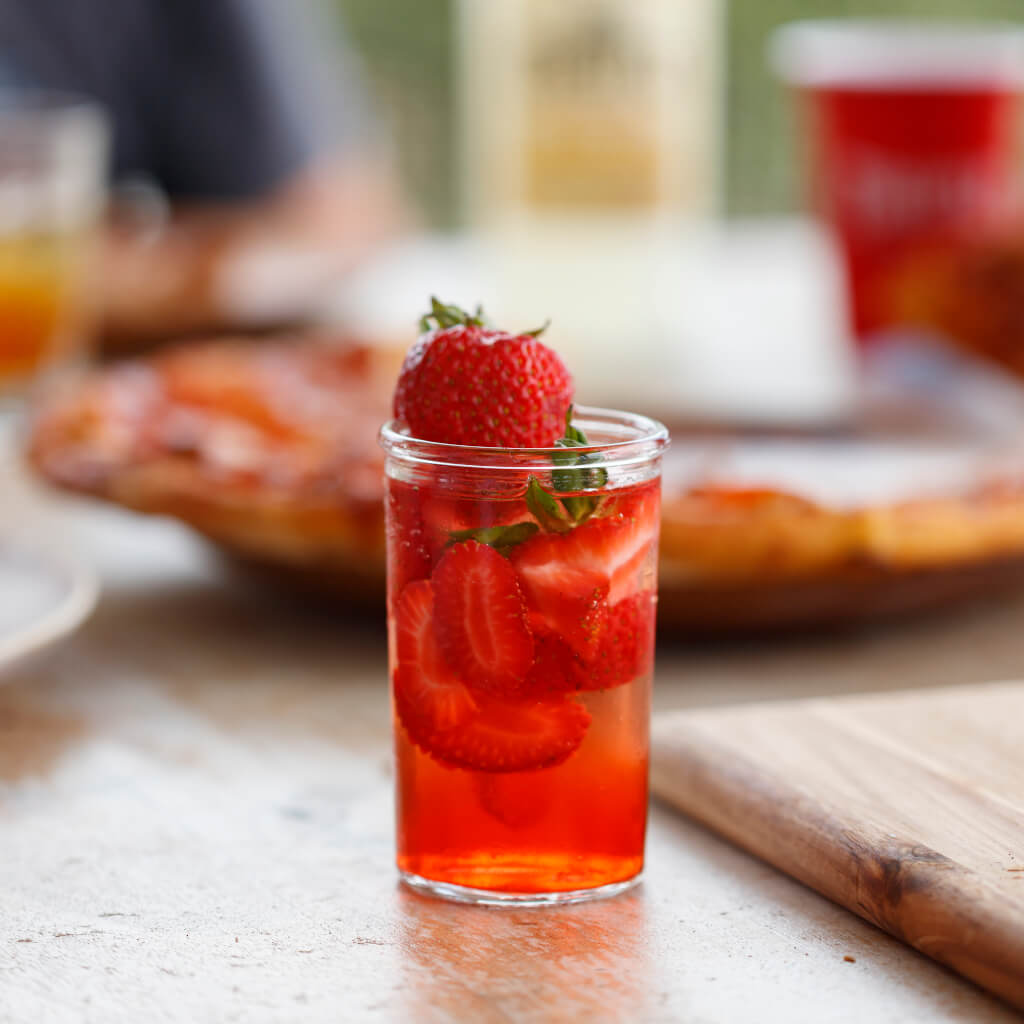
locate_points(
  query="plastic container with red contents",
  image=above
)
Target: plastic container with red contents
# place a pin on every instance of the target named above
(912, 130)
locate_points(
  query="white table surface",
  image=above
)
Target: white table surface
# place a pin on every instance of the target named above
(195, 825)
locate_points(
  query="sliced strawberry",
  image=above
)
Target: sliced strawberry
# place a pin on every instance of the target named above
(408, 548)
(576, 617)
(626, 644)
(556, 668)
(623, 650)
(445, 515)
(447, 722)
(480, 619)
(623, 542)
(513, 736)
(566, 578)
(429, 698)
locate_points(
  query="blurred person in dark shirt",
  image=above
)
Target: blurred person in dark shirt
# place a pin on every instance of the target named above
(244, 156)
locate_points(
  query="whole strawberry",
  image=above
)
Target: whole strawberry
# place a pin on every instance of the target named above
(464, 382)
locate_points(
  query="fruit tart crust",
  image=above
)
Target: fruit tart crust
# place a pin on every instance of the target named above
(270, 451)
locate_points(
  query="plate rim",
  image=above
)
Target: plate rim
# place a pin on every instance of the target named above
(57, 622)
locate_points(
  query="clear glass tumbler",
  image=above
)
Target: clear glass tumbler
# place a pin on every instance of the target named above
(53, 163)
(523, 781)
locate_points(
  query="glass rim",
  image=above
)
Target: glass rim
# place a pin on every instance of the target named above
(647, 439)
(902, 50)
(38, 110)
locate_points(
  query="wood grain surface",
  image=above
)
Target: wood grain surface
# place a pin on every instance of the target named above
(195, 826)
(907, 809)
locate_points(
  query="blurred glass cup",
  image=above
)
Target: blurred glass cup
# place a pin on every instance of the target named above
(53, 162)
(913, 139)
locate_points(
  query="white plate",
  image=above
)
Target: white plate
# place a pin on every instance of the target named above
(44, 596)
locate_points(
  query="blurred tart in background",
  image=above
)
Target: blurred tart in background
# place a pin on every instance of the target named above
(270, 451)
(970, 292)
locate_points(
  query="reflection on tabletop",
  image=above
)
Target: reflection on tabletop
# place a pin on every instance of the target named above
(593, 962)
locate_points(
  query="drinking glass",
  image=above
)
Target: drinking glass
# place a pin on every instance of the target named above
(534, 790)
(53, 150)
(52, 168)
(913, 138)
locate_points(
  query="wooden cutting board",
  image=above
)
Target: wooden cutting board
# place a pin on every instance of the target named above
(907, 809)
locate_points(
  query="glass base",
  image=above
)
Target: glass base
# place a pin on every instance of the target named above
(497, 898)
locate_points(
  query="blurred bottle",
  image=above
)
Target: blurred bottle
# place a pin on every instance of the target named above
(590, 133)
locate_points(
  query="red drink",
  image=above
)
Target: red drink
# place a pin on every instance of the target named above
(913, 140)
(528, 785)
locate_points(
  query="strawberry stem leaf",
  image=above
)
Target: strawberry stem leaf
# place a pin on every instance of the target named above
(583, 474)
(501, 538)
(444, 315)
(563, 510)
(538, 331)
(546, 509)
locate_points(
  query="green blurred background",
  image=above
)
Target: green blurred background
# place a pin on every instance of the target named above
(408, 49)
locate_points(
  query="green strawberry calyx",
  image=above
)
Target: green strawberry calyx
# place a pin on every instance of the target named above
(444, 314)
(558, 510)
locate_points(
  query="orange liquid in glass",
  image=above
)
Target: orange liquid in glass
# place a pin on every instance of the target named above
(36, 302)
(579, 824)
